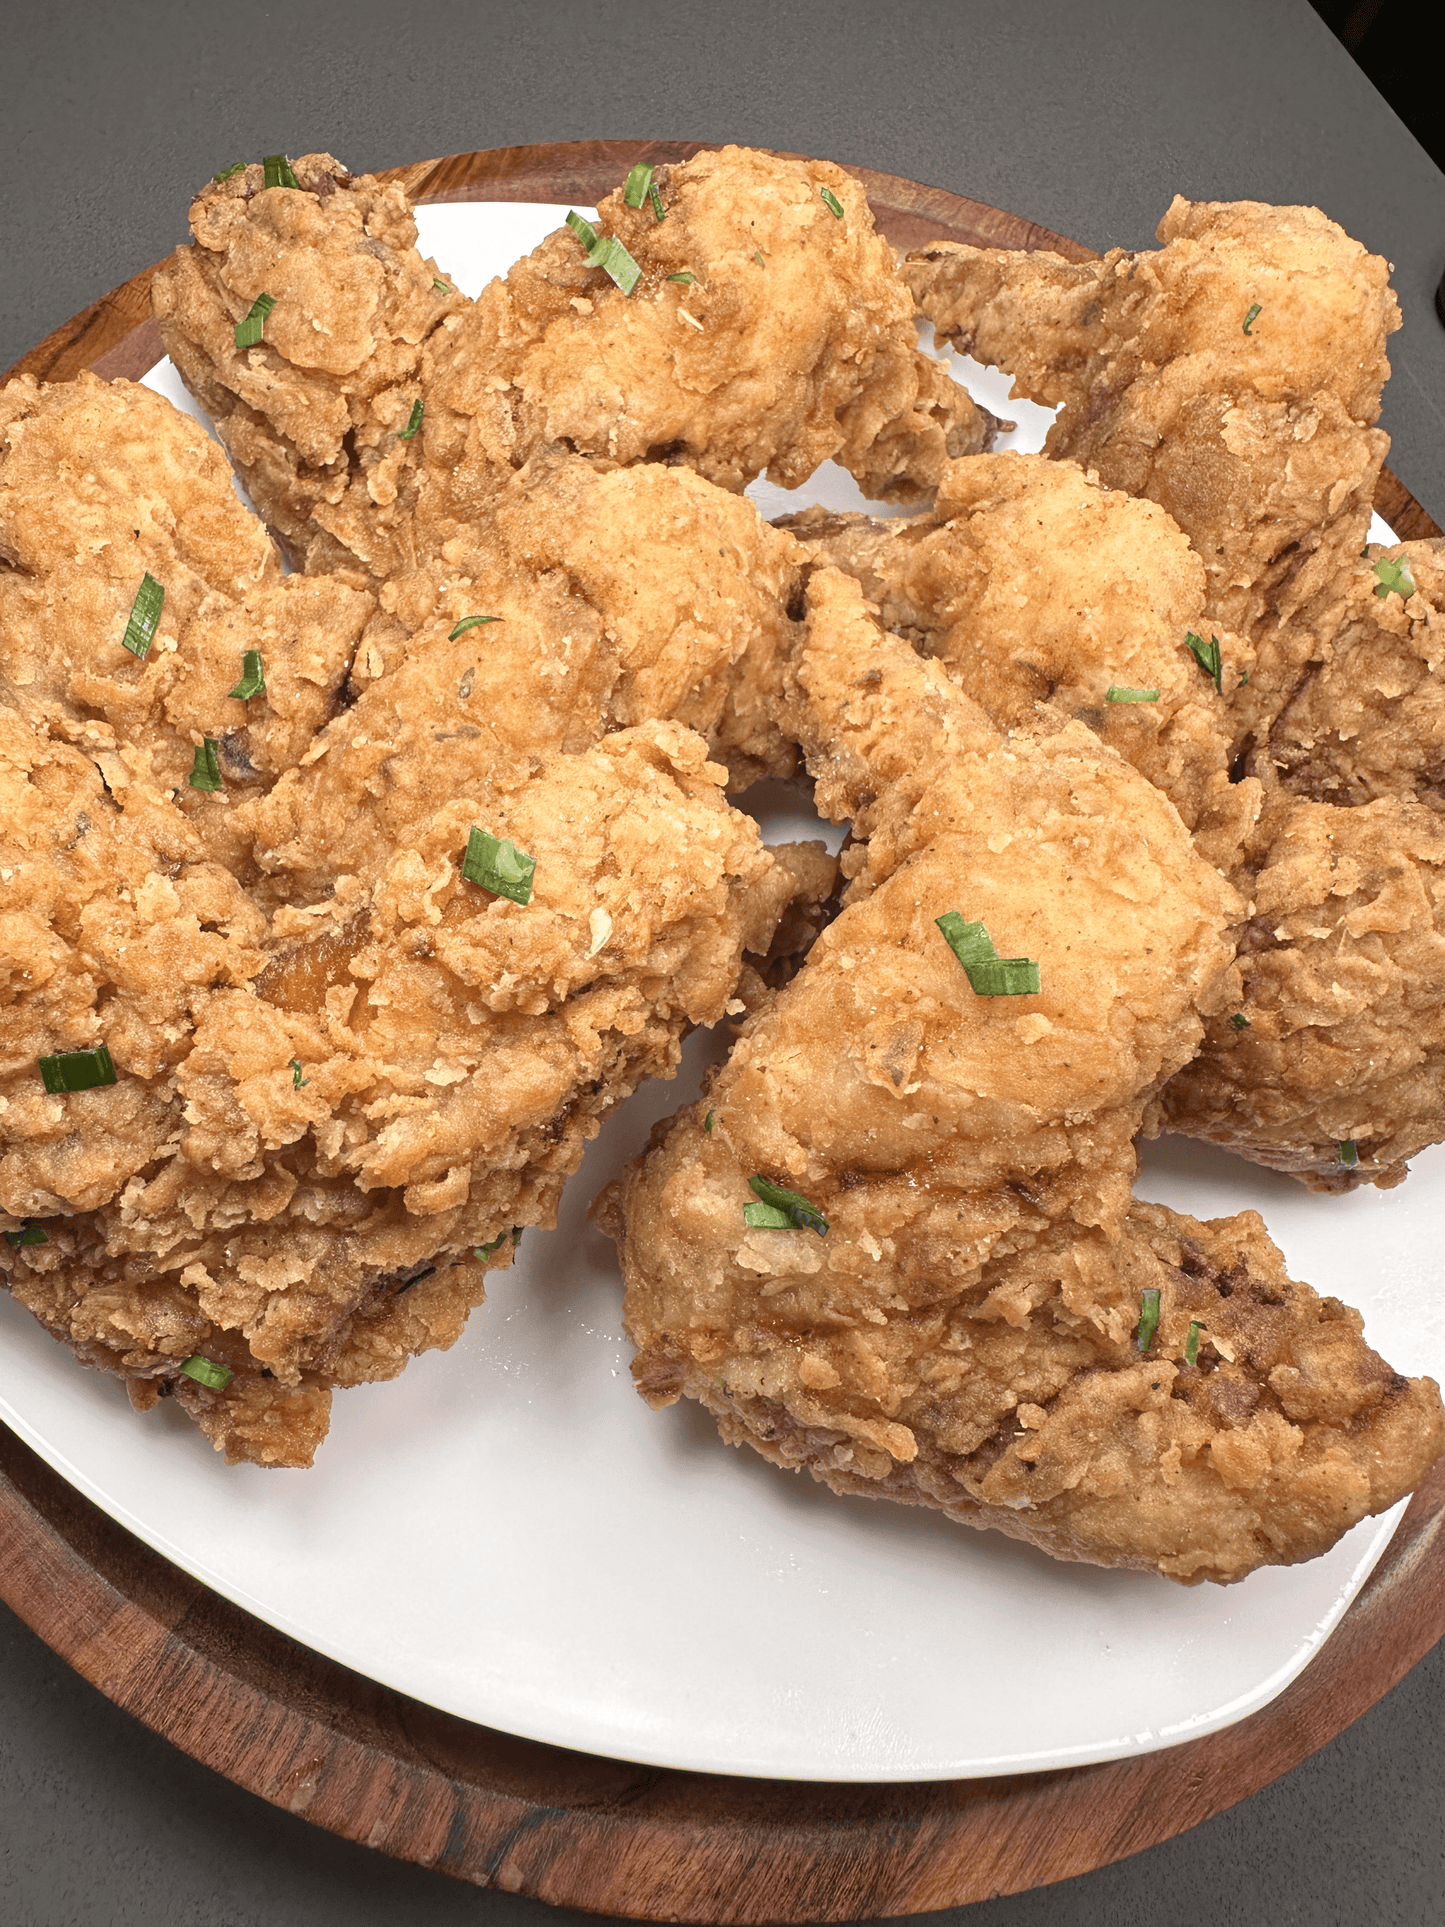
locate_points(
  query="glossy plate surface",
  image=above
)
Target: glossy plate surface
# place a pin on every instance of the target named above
(507, 1532)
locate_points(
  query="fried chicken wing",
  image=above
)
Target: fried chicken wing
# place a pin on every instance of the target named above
(955, 1319)
(1035, 585)
(1233, 377)
(1332, 1065)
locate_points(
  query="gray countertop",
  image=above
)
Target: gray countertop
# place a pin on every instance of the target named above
(1087, 117)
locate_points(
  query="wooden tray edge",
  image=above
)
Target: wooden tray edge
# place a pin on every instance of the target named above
(572, 1829)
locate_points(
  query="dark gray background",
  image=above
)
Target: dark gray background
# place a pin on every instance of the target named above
(1087, 117)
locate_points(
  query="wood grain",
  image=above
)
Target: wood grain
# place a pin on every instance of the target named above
(370, 1764)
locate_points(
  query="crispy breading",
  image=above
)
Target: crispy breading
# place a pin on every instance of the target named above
(314, 415)
(1234, 377)
(1369, 720)
(1035, 585)
(1341, 1041)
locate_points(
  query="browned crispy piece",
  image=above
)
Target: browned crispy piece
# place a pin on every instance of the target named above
(316, 414)
(1339, 1050)
(765, 333)
(1035, 585)
(1234, 377)
(965, 1333)
(1369, 720)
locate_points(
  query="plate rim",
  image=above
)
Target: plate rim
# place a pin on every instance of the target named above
(577, 1829)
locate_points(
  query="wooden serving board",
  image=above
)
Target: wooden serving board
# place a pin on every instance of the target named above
(645, 1842)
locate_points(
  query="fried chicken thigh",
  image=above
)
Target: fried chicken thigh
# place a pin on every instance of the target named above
(1233, 377)
(1035, 585)
(956, 1320)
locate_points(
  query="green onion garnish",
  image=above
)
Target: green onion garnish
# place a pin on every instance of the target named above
(687, 277)
(298, 1082)
(707, 1122)
(989, 974)
(639, 184)
(32, 1234)
(236, 167)
(789, 1211)
(1394, 576)
(831, 202)
(610, 255)
(584, 230)
(1191, 1343)
(1240, 1021)
(413, 421)
(1347, 1153)
(77, 1070)
(145, 613)
(1116, 694)
(277, 172)
(253, 676)
(205, 1372)
(206, 769)
(656, 200)
(470, 622)
(1148, 1318)
(251, 329)
(758, 257)
(485, 1251)
(1206, 654)
(440, 285)
(1249, 318)
(498, 866)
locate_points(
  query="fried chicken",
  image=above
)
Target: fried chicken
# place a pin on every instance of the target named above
(342, 1066)
(1233, 377)
(315, 414)
(966, 1330)
(1034, 585)
(1332, 1065)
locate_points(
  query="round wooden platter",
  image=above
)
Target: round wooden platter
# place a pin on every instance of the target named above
(579, 1831)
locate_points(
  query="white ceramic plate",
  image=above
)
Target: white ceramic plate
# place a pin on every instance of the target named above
(507, 1532)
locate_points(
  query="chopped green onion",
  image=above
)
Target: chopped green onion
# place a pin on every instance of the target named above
(32, 1234)
(758, 257)
(485, 1251)
(1347, 1153)
(413, 421)
(253, 676)
(584, 230)
(707, 1122)
(639, 185)
(610, 255)
(205, 1372)
(1117, 694)
(686, 276)
(277, 172)
(1207, 655)
(441, 286)
(767, 1217)
(1240, 1021)
(1148, 1318)
(1249, 318)
(831, 202)
(206, 769)
(498, 866)
(77, 1070)
(1244, 678)
(656, 200)
(470, 622)
(236, 167)
(989, 974)
(145, 614)
(251, 329)
(298, 1082)
(798, 1213)
(1394, 576)
(517, 1230)
(1191, 1343)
